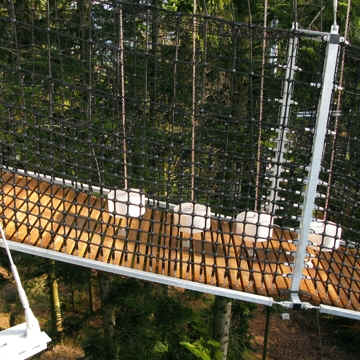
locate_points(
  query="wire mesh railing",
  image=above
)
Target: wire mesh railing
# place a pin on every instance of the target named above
(178, 144)
(86, 94)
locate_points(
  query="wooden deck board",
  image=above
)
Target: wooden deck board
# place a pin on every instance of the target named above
(223, 279)
(268, 257)
(56, 202)
(142, 244)
(280, 257)
(231, 260)
(64, 220)
(339, 277)
(26, 213)
(32, 223)
(242, 264)
(283, 247)
(345, 280)
(208, 271)
(110, 240)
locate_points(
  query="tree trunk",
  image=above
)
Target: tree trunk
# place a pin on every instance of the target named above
(92, 290)
(222, 322)
(109, 316)
(72, 295)
(84, 7)
(57, 319)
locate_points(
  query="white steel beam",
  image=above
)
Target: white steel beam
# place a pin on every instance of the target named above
(323, 112)
(346, 313)
(138, 274)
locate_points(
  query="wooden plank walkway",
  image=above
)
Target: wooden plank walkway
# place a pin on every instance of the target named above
(76, 223)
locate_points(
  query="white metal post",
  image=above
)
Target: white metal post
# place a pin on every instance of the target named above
(323, 112)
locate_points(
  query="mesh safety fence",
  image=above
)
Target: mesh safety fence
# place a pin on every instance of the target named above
(175, 144)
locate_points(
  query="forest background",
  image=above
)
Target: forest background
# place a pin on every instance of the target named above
(109, 316)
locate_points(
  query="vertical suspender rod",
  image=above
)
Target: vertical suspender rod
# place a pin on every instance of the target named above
(282, 138)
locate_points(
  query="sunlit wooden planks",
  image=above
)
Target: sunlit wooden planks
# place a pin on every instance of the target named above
(76, 223)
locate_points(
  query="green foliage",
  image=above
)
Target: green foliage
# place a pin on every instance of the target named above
(226, 99)
(345, 332)
(204, 350)
(150, 324)
(153, 322)
(95, 346)
(160, 348)
(242, 313)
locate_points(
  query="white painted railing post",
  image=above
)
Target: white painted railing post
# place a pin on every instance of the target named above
(323, 112)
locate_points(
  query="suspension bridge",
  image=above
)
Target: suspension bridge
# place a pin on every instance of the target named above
(140, 146)
(61, 220)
